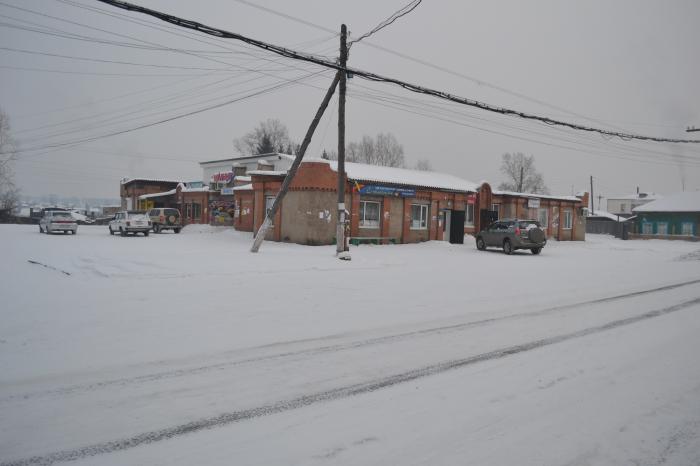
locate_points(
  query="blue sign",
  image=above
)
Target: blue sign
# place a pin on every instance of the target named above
(387, 191)
(227, 191)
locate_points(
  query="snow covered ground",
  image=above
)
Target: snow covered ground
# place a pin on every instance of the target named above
(187, 349)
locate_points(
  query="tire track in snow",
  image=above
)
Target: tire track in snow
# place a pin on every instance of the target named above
(164, 375)
(333, 394)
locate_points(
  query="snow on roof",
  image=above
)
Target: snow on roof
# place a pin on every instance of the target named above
(242, 178)
(265, 162)
(165, 193)
(688, 201)
(157, 180)
(245, 187)
(537, 196)
(602, 213)
(268, 172)
(637, 197)
(403, 176)
(250, 158)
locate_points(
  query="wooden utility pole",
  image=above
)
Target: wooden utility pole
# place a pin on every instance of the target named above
(340, 230)
(262, 231)
(520, 185)
(592, 198)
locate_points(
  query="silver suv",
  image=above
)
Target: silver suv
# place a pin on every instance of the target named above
(512, 234)
(58, 220)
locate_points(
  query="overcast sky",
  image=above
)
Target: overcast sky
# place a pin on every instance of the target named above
(623, 65)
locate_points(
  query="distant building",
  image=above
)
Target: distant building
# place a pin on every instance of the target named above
(624, 205)
(676, 216)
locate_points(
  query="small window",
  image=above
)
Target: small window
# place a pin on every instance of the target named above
(496, 208)
(543, 215)
(568, 219)
(687, 229)
(469, 215)
(196, 211)
(662, 228)
(647, 228)
(369, 214)
(419, 217)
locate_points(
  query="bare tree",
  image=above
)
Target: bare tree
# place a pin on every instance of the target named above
(9, 194)
(521, 175)
(383, 150)
(424, 165)
(270, 135)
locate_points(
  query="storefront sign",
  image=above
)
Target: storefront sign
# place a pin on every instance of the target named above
(533, 203)
(385, 190)
(227, 191)
(471, 198)
(223, 177)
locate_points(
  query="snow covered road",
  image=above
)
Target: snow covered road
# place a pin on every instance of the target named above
(243, 381)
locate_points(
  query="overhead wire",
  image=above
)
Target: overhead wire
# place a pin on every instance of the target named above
(390, 20)
(286, 52)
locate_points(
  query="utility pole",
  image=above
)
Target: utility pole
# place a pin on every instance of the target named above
(340, 230)
(592, 198)
(262, 231)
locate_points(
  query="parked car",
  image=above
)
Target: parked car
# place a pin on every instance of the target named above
(165, 219)
(512, 234)
(130, 221)
(57, 220)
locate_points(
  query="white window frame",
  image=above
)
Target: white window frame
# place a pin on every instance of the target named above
(568, 219)
(422, 219)
(269, 200)
(496, 208)
(369, 224)
(649, 226)
(687, 228)
(662, 226)
(468, 222)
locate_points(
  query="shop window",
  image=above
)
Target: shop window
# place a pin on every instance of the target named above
(647, 228)
(662, 228)
(568, 219)
(542, 217)
(369, 214)
(496, 208)
(687, 229)
(469, 215)
(419, 217)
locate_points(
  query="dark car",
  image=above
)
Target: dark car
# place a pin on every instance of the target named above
(512, 234)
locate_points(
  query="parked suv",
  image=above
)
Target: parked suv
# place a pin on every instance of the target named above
(58, 220)
(165, 219)
(512, 234)
(130, 221)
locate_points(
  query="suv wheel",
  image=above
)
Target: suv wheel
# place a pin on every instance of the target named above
(536, 250)
(156, 228)
(177, 230)
(122, 232)
(111, 232)
(480, 245)
(507, 247)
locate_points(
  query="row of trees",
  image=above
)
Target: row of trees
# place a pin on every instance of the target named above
(385, 150)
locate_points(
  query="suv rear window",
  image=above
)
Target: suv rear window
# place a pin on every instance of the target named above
(61, 214)
(170, 212)
(524, 224)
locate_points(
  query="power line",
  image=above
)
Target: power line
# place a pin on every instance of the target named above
(396, 15)
(289, 53)
(89, 73)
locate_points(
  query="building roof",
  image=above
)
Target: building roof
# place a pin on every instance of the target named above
(537, 196)
(238, 159)
(165, 193)
(403, 176)
(688, 201)
(245, 187)
(155, 180)
(604, 214)
(636, 197)
(182, 187)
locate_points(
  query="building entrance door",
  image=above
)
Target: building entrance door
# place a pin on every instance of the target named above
(457, 227)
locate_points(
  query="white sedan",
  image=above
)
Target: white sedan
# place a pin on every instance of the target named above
(58, 220)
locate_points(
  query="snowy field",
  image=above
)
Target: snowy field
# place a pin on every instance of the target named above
(188, 350)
